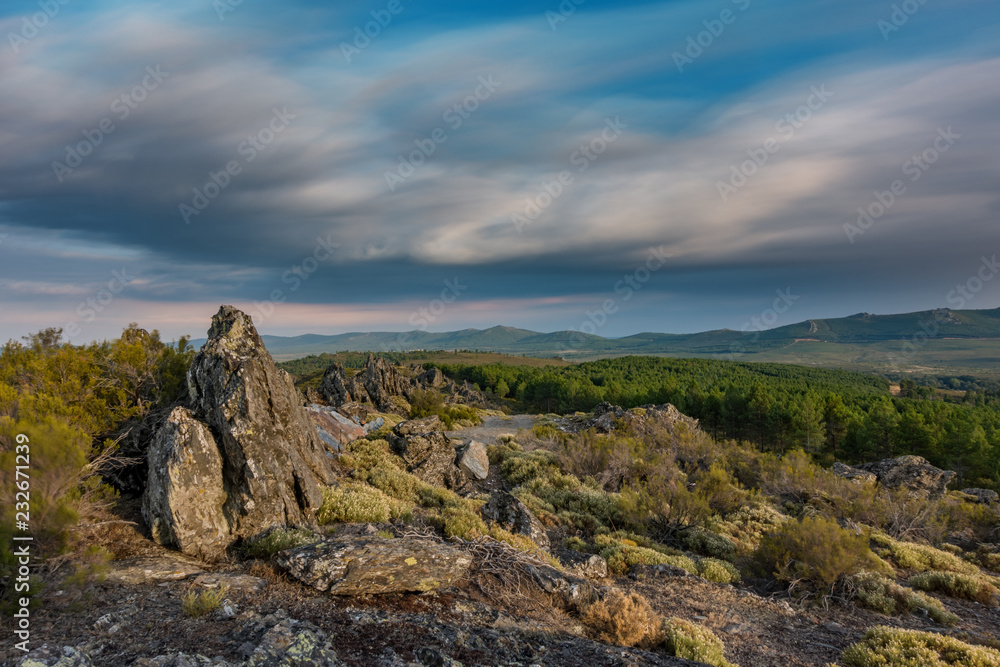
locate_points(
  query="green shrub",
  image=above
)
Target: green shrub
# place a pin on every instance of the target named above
(879, 593)
(397, 483)
(277, 540)
(704, 542)
(353, 502)
(814, 551)
(747, 526)
(718, 571)
(364, 455)
(621, 557)
(920, 557)
(692, 642)
(459, 522)
(895, 647)
(197, 604)
(952, 584)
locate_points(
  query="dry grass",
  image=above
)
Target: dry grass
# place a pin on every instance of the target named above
(626, 619)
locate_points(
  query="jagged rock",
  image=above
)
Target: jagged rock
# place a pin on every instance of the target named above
(185, 493)
(431, 657)
(336, 388)
(913, 473)
(474, 461)
(335, 429)
(181, 660)
(376, 383)
(428, 452)
(53, 656)
(643, 420)
(155, 569)
(359, 412)
(851, 473)
(983, 496)
(514, 516)
(274, 464)
(585, 565)
(570, 591)
(641, 571)
(432, 377)
(293, 643)
(376, 565)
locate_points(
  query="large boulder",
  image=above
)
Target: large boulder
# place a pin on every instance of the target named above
(360, 565)
(853, 474)
(428, 452)
(335, 429)
(514, 516)
(982, 496)
(913, 473)
(474, 461)
(185, 491)
(269, 465)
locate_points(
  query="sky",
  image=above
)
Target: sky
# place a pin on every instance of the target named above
(612, 167)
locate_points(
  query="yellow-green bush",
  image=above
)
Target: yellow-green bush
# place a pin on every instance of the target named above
(197, 604)
(364, 455)
(952, 584)
(920, 557)
(718, 571)
(814, 551)
(747, 526)
(895, 647)
(879, 593)
(693, 642)
(354, 502)
(278, 539)
(621, 557)
(708, 543)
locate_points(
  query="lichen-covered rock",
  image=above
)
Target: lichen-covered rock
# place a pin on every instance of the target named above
(335, 429)
(571, 592)
(982, 496)
(428, 452)
(474, 461)
(152, 569)
(293, 643)
(232, 582)
(432, 377)
(585, 565)
(274, 465)
(511, 514)
(182, 660)
(56, 656)
(183, 500)
(853, 474)
(913, 473)
(375, 565)
(376, 383)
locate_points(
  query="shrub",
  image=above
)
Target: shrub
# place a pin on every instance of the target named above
(920, 557)
(814, 551)
(747, 526)
(692, 642)
(707, 543)
(623, 619)
(197, 604)
(365, 455)
(621, 557)
(355, 503)
(879, 593)
(884, 646)
(718, 571)
(277, 540)
(965, 586)
(460, 522)
(397, 483)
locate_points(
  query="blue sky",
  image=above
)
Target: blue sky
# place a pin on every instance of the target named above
(158, 159)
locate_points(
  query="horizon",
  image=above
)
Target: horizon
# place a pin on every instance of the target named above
(639, 167)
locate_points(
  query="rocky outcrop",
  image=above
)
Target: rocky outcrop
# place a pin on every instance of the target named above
(853, 474)
(428, 452)
(514, 516)
(376, 384)
(246, 443)
(913, 473)
(982, 496)
(334, 429)
(643, 420)
(376, 565)
(474, 461)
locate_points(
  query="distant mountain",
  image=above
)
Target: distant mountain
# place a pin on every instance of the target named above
(862, 340)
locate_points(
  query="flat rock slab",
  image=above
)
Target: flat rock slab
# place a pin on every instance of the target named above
(233, 582)
(361, 565)
(156, 569)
